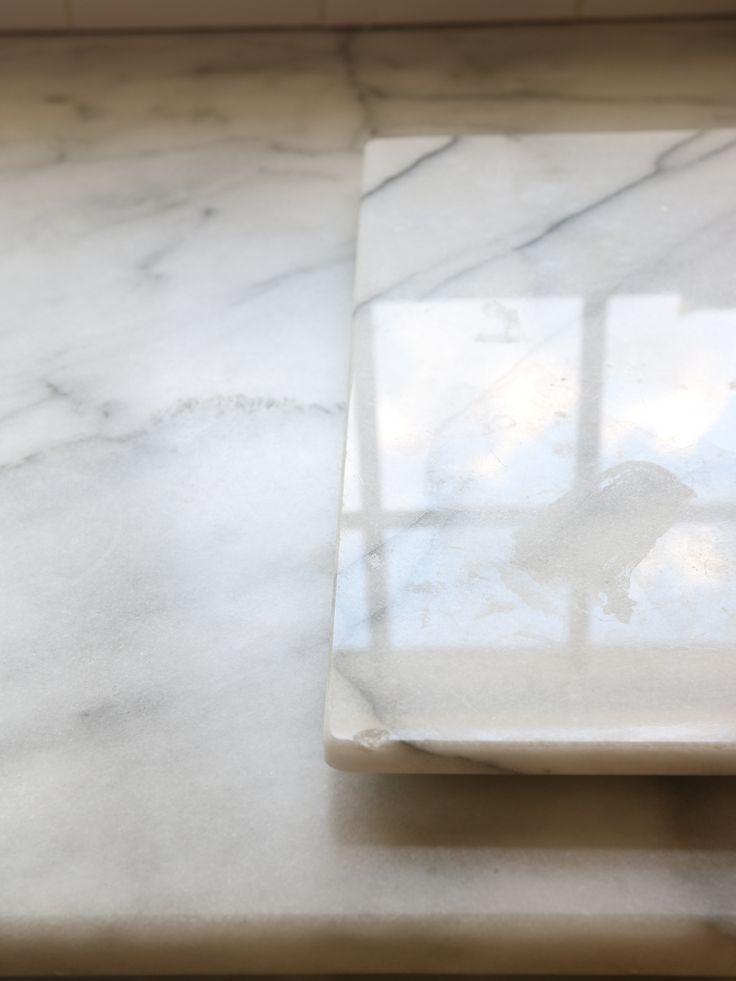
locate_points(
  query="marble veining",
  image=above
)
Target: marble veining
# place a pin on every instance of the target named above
(178, 219)
(537, 567)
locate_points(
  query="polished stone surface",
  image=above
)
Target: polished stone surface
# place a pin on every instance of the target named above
(176, 245)
(537, 568)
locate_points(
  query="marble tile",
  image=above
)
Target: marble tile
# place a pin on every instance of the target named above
(176, 246)
(537, 565)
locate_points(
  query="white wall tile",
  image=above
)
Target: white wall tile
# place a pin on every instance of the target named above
(29, 15)
(130, 14)
(655, 8)
(193, 13)
(337, 12)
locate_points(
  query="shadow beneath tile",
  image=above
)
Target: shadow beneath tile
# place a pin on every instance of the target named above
(534, 812)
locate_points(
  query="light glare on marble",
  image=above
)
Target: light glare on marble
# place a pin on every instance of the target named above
(537, 567)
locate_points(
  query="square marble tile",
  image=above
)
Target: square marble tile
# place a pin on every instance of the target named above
(537, 559)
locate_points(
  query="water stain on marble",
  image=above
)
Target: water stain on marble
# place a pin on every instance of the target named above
(110, 716)
(595, 536)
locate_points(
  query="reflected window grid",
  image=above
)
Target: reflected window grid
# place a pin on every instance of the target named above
(375, 523)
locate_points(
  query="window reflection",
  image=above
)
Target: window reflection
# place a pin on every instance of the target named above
(471, 418)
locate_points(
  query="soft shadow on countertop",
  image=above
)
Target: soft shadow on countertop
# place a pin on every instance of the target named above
(655, 813)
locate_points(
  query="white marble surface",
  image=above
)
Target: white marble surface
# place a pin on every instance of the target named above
(538, 542)
(177, 233)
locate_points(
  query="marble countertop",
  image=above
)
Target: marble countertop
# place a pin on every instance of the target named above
(177, 236)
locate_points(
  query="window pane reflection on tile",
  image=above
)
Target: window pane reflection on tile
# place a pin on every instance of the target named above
(544, 413)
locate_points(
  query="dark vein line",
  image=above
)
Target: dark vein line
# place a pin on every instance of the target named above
(410, 168)
(659, 167)
(269, 283)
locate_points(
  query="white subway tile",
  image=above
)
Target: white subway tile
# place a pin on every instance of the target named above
(654, 8)
(38, 15)
(356, 12)
(193, 13)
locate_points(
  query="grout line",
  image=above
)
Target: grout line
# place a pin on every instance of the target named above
(627, 21)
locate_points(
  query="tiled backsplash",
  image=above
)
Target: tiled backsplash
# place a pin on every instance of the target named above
(130, 14)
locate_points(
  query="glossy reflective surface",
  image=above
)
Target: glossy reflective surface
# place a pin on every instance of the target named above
(538, 543)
